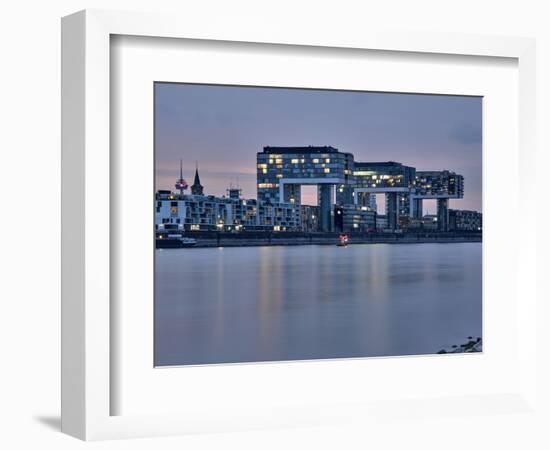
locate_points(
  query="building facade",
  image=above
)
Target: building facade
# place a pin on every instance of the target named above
(405, 188)
(354, 218)
(395, 180)
(282, 171)
(309, 218)
(440, 185)
(209, 213)
(346, 196)
(464, 220)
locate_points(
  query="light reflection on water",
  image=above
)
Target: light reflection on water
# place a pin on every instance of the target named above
(310, 302)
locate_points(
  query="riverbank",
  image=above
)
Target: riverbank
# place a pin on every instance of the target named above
(472, 346)
(254, 239)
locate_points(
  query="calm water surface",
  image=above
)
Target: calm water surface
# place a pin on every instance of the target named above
(219, 305)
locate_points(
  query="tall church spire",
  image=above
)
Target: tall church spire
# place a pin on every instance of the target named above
(196, 188)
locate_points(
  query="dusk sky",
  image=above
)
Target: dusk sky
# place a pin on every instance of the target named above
(223, 127)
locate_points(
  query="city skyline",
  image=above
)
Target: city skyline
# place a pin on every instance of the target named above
(223, 127)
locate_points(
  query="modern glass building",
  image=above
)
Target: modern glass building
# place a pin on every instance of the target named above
(282, 171)
(464, 220)
(394, 179)
(440, 185)
(354, 218)
(405, 188)
(346, 196)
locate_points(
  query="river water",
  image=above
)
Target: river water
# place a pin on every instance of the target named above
(224, 305)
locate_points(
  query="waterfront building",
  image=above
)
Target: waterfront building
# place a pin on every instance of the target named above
(426, 223)
(309, 218)
(393, 179)
(371, 203)
(350, 218)
(405, 188)
(210, 213)
(464, 220)
(346, 196)
(440, 185)
(199, 212)
(365, 199)
(282, 171)
(279, 216)
(429, 222)
(381, 222)
(192, 212)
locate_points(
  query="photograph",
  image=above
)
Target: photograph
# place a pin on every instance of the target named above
(295, 224)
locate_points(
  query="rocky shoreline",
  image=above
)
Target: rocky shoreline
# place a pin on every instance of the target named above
(472, 346)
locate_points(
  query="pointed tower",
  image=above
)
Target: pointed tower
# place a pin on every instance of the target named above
(196, 188)
(181, 184)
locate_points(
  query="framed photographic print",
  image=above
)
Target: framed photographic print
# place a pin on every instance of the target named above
(272, 229)
(300, 252)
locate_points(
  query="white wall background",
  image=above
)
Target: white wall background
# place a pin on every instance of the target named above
(30, 196)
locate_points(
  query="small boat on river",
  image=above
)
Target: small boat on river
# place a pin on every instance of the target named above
(174, 241)
(343, 240)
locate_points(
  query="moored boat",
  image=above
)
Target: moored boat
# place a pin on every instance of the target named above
(343, 240)
(174, 241)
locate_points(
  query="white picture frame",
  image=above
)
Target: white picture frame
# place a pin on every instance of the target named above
(87, 328)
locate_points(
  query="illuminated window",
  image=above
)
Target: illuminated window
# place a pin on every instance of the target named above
(294, 161)
(327, 170)
(316, 161)
(270, 161)
(327, 160)
(262, 166)
(279, 161)
(264, 170)
(195, 227)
